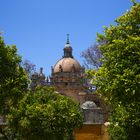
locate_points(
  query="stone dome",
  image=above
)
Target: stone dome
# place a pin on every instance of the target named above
(67, 65)
(88, 105)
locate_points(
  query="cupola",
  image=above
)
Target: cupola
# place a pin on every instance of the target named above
(68, 49)
(67, 63)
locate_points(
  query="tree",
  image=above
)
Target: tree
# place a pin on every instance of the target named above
(92, 56)
(13, 80)
(118, 80)
(29, 67)
(44, 114)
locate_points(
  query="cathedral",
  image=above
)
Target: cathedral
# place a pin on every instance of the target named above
(67, 77)
(67, 74)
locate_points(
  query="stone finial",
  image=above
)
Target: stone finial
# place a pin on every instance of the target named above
(41, 70)
(47, 79)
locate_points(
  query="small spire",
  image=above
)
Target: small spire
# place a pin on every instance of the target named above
(47, 80)
(41, 70)
(68, 39)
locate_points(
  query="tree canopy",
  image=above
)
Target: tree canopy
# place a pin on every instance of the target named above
(29, 67)
(13, 80)
(45, 114)
(118, 80)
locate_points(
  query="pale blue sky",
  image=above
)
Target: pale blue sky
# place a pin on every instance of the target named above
(39, 27)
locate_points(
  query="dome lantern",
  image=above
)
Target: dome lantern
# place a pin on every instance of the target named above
(68, 49)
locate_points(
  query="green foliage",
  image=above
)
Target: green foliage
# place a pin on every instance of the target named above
(118, 80)
(89, 74)
(13, 81)
(124, 124)
(134, 2)
(117, 125)
(44, 113)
